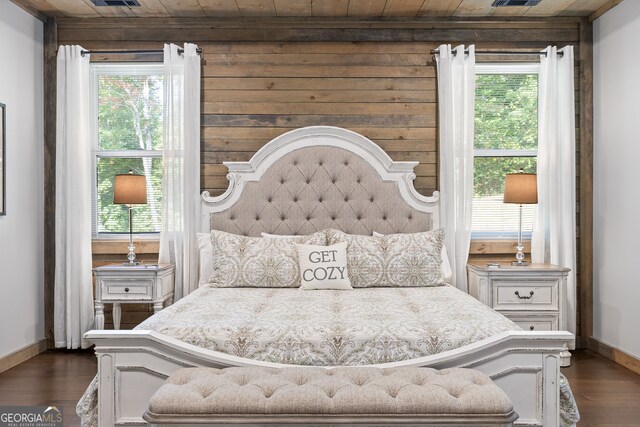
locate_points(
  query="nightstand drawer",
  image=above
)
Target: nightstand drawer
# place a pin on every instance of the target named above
(120, 289)
(535, 323)
(534, 295)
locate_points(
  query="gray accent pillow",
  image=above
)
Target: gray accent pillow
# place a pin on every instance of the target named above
(258, 262)
(396, 260)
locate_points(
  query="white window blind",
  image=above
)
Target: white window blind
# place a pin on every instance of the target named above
(126, 135)
(506, 140)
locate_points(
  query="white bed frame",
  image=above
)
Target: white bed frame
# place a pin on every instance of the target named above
(132, 365)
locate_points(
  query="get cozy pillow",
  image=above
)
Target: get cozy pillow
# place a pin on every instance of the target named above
(257, 262)
(324, 267)
(395, 260)
(447, 273)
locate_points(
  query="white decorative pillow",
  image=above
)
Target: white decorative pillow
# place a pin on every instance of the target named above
(447, 273)
(205, 255)
(324, 267)
(396, 260)
(256, 262)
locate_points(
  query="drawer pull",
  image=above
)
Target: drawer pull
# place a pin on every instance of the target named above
(126, 289)
(531, 328)
(524, 296)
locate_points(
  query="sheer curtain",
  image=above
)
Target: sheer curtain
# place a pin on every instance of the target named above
(73, 303)
(181, 166)
(456, 102)
(554, 230)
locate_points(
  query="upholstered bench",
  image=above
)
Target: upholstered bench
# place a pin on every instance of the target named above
(346, 395)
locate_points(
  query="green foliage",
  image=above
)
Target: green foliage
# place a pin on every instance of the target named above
(489, 172)
(506, 118)
(506, 111)
(129, 118)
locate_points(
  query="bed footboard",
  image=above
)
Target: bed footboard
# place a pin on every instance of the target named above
(132, 365)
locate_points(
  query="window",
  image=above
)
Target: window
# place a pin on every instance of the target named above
(126, 135)
(506, 140)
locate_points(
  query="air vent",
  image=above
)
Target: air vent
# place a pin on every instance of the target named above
(501, 3)
(125, 3)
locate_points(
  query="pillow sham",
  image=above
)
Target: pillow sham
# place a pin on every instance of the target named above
(447, 272)
(397, 260)
(324, 267)
(205, 255)
(257, 262)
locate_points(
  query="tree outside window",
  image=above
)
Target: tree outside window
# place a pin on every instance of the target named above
(127, 135)
(506, 140)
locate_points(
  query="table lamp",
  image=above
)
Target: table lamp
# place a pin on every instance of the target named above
(522, 189)
(130, 189)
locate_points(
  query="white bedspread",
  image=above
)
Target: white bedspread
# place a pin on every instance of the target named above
(327, 327)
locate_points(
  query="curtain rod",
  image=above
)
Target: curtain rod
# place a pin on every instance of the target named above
(497, 52)
(140, 51)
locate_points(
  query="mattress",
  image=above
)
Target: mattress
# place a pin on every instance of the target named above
(329, 327)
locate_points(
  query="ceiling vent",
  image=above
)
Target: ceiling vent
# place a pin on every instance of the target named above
(125, 3)
(501, 3)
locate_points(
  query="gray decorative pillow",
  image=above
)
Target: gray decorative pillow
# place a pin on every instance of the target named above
(395, 260)
(258, 262)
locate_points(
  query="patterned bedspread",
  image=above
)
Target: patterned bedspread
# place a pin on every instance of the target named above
(327, 327)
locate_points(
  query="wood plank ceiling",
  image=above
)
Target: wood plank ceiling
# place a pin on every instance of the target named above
(316, 8)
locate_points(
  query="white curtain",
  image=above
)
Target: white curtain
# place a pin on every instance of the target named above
(73, 304)
(181, 166)
(456, 101)
(554, 230)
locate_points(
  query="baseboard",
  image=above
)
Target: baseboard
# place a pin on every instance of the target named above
(25, 353)
(616, 355)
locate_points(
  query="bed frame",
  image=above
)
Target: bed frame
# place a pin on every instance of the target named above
(132, 365)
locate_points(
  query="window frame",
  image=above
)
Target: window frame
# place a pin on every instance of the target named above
(504, 68)
(114, 68)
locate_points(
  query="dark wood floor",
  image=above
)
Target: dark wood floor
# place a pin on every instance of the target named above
(608, 395)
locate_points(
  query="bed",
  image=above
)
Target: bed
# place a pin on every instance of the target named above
(304, 181)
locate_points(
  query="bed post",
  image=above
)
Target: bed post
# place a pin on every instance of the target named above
(106, 389)
(551, 389)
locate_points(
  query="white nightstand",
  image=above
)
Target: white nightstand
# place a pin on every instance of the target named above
(117, 284)
(533, 296)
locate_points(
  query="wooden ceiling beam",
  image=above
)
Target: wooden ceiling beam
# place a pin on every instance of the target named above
(604, 9)
(40, 9)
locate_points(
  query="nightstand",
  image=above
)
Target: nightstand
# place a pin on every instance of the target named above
(533, 296)
(120, 284)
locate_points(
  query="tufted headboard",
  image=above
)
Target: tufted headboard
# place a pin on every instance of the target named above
(320, 177)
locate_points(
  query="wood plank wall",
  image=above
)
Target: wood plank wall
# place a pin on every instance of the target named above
(262, 78)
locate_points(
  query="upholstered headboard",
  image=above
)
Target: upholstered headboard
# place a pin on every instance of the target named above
(320, 177)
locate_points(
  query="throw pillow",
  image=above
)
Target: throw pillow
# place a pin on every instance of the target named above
(324, 267)
(447, 272)
(205, 256)
(395, 260)
(257, 262)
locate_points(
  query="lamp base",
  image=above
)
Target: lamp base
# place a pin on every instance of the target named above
(131, 264)
(520, 263)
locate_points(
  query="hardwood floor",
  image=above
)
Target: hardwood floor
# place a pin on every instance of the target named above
(55, 378)
(608, 395)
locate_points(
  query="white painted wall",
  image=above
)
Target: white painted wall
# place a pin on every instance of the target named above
(21, 230)
(617, 178)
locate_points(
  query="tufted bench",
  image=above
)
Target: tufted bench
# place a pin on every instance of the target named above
(346, 395)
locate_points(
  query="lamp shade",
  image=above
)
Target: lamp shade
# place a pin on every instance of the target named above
(129, 189)
(521, 188)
